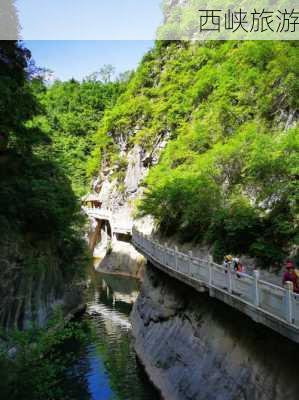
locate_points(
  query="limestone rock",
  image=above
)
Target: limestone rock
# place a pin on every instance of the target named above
(122, 259)
(196, 348)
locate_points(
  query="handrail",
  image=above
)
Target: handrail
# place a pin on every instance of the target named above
(267, 299)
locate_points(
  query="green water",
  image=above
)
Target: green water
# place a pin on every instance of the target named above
(107, 368)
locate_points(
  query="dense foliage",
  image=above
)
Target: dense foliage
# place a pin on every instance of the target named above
(37, 203)
(17, 104)
(71, 115)
(229, 175)
(46, 136)
(45, 139)
(37, 365)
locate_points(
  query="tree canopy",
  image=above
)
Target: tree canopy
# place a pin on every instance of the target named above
(46, 136)
(229, 175)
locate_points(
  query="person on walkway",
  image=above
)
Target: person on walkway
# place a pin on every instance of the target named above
(238, 267)
(227, 263)
(290, 276)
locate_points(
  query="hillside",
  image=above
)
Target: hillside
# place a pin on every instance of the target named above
(45, 140)
(228, 176)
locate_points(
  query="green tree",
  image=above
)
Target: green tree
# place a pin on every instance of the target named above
(229, 172)
(72, 112)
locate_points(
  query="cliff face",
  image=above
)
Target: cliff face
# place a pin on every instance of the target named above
(194, 347)
(116, 254)
(184, 140)
(32, 283)
(189, 128)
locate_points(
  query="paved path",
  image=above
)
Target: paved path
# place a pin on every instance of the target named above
(264, 302)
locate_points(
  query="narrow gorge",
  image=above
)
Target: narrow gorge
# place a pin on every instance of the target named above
(187, 173)
(196, 150)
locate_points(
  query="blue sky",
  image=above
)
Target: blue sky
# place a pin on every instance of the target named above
(89, 19)
(63, 35)
(77, 59)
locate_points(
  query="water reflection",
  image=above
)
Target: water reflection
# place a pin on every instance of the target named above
(107, 367)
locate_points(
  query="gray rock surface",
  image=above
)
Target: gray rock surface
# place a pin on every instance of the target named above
(135, 170)
(28, 298)
(122, 259)
(196, 348)
(115, 255)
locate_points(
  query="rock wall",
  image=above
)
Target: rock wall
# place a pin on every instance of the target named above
(196, 348)
(122, 259)
(117, 255)
(29, 292)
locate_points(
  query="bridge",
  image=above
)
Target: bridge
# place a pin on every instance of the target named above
(117, 223)
(271, 305)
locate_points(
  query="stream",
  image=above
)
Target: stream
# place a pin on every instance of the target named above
(107, 368)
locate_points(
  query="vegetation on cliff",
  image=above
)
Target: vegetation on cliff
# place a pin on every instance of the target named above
(46, 135)
(229, 175)
(45, 140)
(40, 224)
(36, 367)
(70, 114)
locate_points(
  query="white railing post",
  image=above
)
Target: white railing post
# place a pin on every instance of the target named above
(154, 248)
(176, 257)
(210, 274)
(190, 262)
(230, 282)
(166, 254)
(256, 275)
(163, 255)
(159, 254)
(211, 289)
(289, 311)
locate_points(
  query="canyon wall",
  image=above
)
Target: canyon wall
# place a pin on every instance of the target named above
(33, 284)
(115, 253)
(194, 347)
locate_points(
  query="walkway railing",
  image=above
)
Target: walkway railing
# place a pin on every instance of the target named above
(266, 299)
